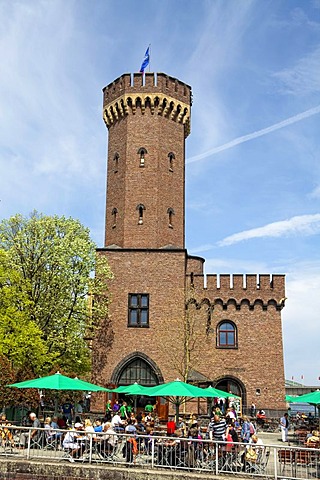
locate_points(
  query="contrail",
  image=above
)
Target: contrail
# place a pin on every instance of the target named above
(259, 133)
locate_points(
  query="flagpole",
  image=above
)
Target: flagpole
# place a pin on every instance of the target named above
(149, 56)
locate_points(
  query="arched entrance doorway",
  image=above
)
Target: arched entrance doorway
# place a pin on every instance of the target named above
(139, 368)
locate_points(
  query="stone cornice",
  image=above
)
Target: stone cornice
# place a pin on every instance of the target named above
(158, 103)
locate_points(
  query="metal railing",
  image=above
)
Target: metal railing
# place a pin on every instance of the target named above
(163, 452)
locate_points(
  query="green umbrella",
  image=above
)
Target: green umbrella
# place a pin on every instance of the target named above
(177, 388)
(313, 398)
(59, 382)
(134, 389)
(120, 389)
(211, 392)
(176, 392)
(290, 398)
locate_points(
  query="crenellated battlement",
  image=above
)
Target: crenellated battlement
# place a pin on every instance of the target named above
(238, 289)
(149, 82)
(162, 94)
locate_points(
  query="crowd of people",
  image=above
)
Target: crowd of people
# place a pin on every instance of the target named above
(72, 427)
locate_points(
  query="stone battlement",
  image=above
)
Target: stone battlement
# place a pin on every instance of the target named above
(238, 286)
(159, 93)
(148, 83)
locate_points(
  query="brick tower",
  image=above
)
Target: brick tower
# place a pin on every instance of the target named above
(147, 124)
(166, 320)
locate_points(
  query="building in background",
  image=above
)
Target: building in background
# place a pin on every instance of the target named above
(166, 319)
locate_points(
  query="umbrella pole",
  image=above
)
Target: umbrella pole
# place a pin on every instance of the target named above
(177, 411)
(56, 404)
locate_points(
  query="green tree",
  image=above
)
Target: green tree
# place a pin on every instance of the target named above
(56, 260)
(20, 337)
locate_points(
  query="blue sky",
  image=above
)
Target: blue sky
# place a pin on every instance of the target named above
(253, 170)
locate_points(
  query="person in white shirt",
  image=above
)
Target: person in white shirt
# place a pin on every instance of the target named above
(117, 423)
(72, 442)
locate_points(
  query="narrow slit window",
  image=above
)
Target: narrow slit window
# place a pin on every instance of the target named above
(171, 157)
(116, 162)
(114, 216)
(142, 153)
(140, 209)
(170, 213)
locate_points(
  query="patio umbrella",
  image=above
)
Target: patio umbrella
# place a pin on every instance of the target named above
(216, 393)
(59, 382)
(313, 398)
(135, 389)
(290, 398)
(120, 389)
(212, 392)
(176, 392)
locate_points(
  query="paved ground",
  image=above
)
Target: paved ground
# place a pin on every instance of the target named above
(275, 438)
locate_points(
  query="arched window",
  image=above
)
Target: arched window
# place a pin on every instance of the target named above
(170, 212)
(138, 370)
(140, 209)
(171, 157)
(116, 162)
(226, 335)
(142, 152)
(114, 215)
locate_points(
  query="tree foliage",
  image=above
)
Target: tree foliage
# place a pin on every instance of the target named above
(47, 267)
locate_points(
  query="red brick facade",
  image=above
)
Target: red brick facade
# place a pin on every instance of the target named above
(144, 243)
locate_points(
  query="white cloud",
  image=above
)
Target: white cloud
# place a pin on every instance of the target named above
(315, 192)
(303, 78)
(298, 225)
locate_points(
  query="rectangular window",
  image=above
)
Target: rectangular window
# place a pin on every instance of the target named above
(138, 310)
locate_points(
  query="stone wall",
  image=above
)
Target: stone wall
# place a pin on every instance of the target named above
(23, 470)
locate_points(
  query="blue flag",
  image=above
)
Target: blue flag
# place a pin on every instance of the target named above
(145, 61)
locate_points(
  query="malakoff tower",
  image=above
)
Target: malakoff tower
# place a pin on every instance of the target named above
(166, 320)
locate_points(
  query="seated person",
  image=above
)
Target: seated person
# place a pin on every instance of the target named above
(98, 425)
(261, 417)
(72, 442)
(88, 427)
(5, 432)
(314, 438)
(107, 441)
(254, 447)
(117, 423)
(261, 414)
(130, 428)
(139, 424)
(61, 422)
(182, 426)
(148, 419)
(50, 434)
(35, 434)
(55, 426)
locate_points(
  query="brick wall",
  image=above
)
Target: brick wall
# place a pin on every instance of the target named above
(161, 275)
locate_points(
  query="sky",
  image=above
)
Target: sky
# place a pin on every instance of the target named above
(252, 159)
